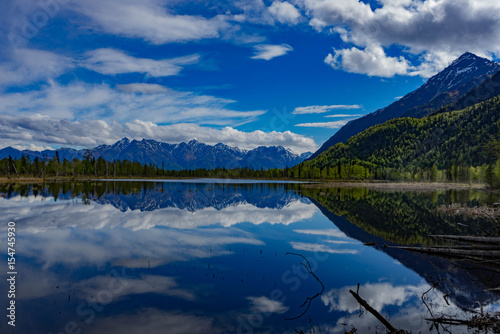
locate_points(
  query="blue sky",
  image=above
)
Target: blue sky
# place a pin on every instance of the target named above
(245, 73)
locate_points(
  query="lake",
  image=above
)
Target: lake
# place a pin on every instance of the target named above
(219, 256)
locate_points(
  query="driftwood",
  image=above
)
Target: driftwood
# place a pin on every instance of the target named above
(481, 321)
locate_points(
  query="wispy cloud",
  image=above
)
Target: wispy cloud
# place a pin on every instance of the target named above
(303, 246)
(342, 115)
(324, 109)
(80, 100)
(268, 52)
(150, 21)
(111, 61)
(143, 88)
(328, 125)
(327, 232)
(31, 65)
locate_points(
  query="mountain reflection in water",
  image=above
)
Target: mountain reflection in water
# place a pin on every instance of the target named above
(189, 257)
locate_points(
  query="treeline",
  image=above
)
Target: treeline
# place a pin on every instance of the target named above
(91, 167)
(363, 170)
(344, 169)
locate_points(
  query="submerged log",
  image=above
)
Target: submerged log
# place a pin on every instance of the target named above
(484, 240)
(490, 247)
(452, 251)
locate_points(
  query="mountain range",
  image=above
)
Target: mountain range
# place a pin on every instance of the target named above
(458, 82)
(191, 155)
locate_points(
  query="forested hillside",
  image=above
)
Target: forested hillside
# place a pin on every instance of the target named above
(447, 87)
(449, 141)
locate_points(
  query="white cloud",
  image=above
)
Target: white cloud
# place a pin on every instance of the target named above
(111, 217)
(142, 88)
(323, 109)
(435, 31)
(372, 61)
(268, 52)
(150, 20)
(30, 65)
(303, 246)
(99, 101)
(31, 147)
(154, 321)
(327, 232)
(28, 129)
(98, 240)
(342, 115)
(328, 125)
(111, 61)
(378, 295)
(265, 305)
(134, 286)
(405, 299)
(285, 12)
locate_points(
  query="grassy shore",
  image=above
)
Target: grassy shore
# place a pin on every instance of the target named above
(381, 185)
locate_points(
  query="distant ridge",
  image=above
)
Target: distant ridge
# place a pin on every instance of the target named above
(460, 77)
(192, 155)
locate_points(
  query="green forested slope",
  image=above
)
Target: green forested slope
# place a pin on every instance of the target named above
(447, 138)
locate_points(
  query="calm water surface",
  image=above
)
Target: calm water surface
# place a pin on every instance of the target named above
(211, 257)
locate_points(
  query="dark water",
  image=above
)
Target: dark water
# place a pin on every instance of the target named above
(210, 257)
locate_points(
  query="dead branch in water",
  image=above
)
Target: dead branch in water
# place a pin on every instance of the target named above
(308, 300)
(375, 313)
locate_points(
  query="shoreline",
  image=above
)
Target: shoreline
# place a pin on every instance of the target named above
(377, 185)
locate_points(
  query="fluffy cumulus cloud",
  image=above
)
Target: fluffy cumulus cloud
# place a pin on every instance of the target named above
(435, 31)
(36, 128)
(268, 52)
(264, 304)
(372, 61)
(324, 109)
(284, 12)
(378, 295)
(111, 61)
